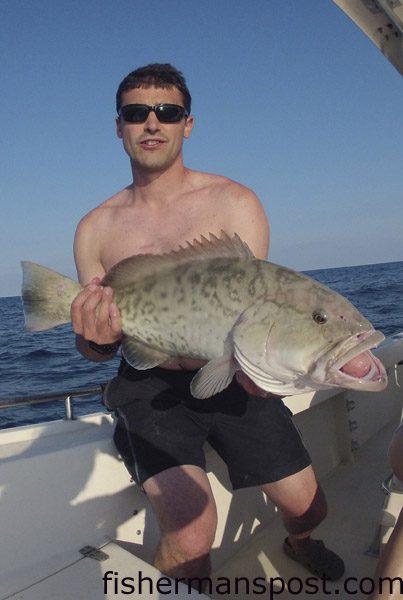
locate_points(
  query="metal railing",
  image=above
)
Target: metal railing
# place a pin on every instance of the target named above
(67, 397)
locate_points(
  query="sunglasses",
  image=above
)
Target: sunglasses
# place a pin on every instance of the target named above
(165, 113)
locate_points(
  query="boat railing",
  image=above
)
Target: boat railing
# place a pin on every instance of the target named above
(67, 397)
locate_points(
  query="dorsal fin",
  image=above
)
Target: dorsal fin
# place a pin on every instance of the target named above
(140, 265)
(213, 247)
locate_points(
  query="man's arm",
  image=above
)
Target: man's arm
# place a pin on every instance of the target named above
(94, 315)
(249, 220)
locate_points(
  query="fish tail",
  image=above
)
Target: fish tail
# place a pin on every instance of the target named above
(46, 297)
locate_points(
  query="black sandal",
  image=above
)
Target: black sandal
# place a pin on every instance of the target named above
(318, 559)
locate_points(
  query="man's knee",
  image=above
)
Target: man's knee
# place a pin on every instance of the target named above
(311, 518)
(189, 544)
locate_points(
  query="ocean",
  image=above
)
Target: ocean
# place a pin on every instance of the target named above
(48, 363)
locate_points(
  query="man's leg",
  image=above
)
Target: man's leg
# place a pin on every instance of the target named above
(301, 501)
(303, 506)
(185, 508)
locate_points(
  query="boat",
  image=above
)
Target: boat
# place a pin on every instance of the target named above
(382, 22)
(74, 525)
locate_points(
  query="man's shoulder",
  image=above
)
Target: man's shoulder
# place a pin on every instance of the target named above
(222, 186)
(102, 211)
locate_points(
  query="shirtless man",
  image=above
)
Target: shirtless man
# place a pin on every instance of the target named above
(166, 205)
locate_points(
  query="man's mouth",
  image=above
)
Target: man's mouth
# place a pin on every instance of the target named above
(152, 143)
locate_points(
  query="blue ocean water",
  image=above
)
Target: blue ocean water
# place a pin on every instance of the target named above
(47, 362)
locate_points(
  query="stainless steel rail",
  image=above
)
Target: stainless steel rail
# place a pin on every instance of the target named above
(67, 397)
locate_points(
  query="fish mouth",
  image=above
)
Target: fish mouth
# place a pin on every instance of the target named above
(354, 366)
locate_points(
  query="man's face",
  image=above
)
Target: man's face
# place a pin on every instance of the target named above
(153, 146)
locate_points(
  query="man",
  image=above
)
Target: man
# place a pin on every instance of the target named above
(388, 576)
(161, 428)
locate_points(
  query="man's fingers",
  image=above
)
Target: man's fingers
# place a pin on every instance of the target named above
(115, 320)
(251, 387)
(94, 314)
(108, 317)
(103, 312)
(89, 313)
(76, 311)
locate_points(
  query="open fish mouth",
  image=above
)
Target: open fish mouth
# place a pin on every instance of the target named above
(355, 366)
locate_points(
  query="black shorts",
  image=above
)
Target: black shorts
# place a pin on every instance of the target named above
(161, 425)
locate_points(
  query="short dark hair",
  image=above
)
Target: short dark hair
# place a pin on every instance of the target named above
(162, 75)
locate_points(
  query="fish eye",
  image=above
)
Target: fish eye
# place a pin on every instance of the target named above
(319, 316)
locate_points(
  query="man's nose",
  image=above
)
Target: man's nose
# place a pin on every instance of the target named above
(151, 124)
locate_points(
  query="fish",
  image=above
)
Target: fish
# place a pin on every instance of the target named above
(212, 299)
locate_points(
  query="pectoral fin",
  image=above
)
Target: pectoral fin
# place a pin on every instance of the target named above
(214, 377)
(140, 355)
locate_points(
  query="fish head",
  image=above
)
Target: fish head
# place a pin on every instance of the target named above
(307, 339)
(346, 360)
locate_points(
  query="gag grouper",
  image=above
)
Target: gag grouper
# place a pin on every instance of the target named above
(213, 300)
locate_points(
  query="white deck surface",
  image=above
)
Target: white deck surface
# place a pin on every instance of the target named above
(355, 500)
(354, 509)
(128, 576)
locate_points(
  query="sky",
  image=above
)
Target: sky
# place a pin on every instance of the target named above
(290, 98)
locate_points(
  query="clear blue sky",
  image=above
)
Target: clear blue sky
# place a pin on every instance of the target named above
(290, 98)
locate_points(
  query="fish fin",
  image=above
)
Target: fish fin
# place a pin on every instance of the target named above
(134, 268)
(141, 356)
(214, 377)
(138, 266)
(46, 296)
(214, 247)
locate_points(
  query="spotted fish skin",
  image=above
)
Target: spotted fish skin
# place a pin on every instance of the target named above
(190, 309)
(213, 300)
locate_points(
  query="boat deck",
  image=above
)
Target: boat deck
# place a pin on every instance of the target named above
(355, 500)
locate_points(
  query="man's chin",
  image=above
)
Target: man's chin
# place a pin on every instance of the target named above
(152, 164)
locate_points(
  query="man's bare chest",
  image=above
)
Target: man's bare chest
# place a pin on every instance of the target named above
(155, 234)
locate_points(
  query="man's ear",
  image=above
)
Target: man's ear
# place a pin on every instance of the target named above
(188, 126)
(118, 128)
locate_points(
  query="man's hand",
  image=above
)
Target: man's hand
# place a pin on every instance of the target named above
(94, 315)
(251, 387)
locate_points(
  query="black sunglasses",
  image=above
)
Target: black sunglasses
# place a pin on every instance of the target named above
(165, 113)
